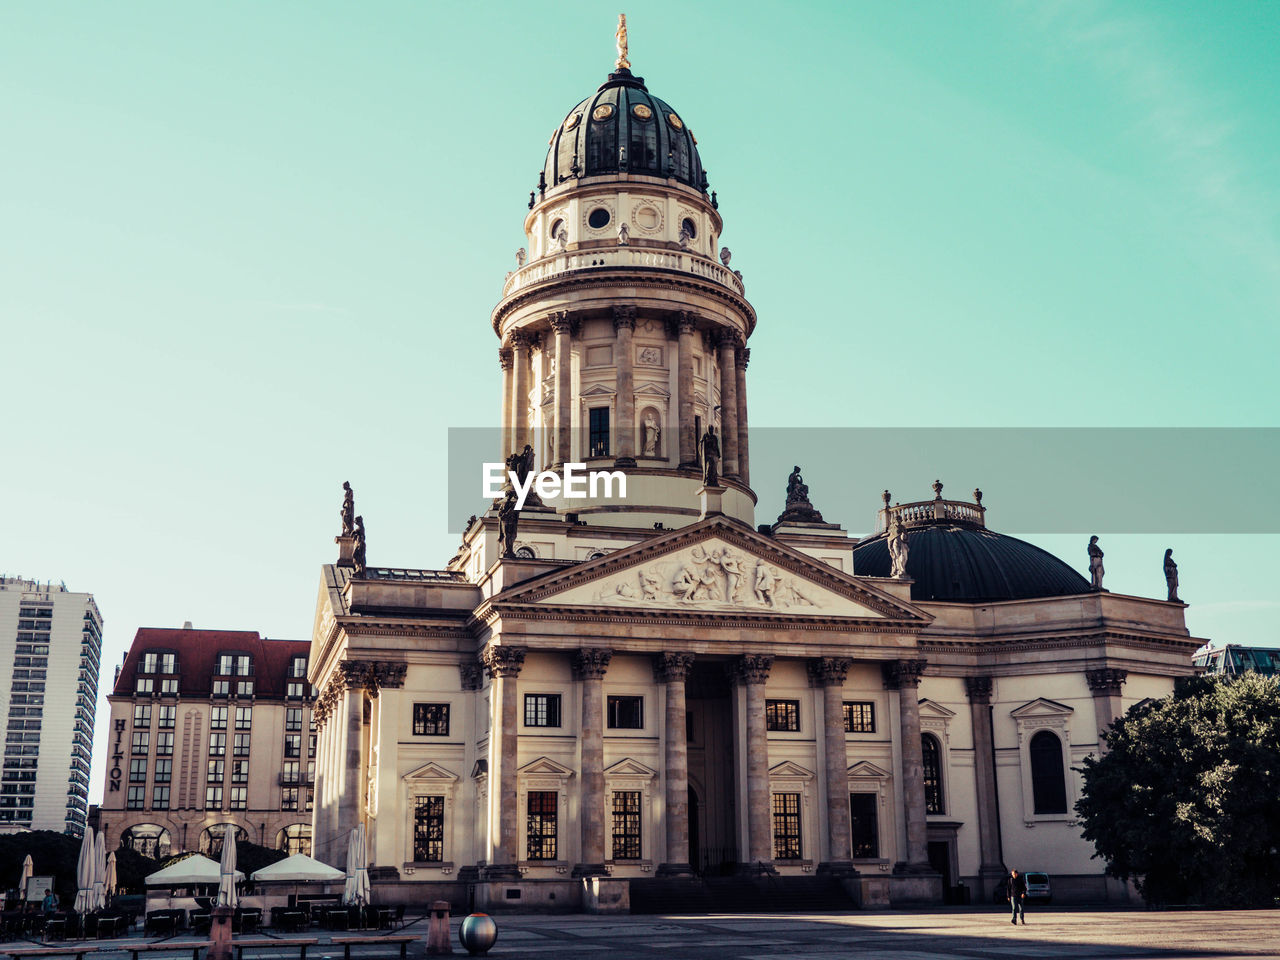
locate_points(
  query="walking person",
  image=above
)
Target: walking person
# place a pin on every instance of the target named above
(1017, 887)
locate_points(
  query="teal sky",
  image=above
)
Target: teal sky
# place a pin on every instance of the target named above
(248, 251)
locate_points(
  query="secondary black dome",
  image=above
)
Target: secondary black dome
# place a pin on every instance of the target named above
(623, 128)
(966, 563)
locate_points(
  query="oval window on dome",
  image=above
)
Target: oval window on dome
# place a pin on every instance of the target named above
(675, 121)
(602, 112)
(688, 227)
(598, 218)
(572, 121)
(555, 228)
(641, 111)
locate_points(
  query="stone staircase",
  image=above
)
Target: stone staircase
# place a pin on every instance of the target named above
(740, 895)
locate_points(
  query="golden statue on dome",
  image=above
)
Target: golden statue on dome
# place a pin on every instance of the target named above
(622, 63)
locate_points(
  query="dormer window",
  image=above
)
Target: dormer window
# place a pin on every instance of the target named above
(235, 665)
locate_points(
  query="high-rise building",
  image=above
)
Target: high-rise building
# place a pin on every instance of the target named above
(50, 638)
(209, 728)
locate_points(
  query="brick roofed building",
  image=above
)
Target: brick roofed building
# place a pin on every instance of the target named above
(209, 728)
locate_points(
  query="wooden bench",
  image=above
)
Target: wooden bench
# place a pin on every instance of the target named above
(197, 947)
(348, 942)
(241, 944)
(78, 950)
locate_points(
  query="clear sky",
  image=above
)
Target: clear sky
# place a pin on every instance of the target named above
(248, 251)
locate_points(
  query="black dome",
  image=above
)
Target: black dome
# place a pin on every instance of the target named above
(622, 128)
(967, 564)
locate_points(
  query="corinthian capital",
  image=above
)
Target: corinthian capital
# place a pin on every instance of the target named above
(752, 668)
(978, 689)
(502, 661)
(900, 674)
(744, 357)
(560, 321)
(1106, 680)
(668, 667)
(829, 671)
(591, 663)
(624, 315)
(505, 355)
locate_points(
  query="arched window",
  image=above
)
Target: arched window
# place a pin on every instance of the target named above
(211, 838)
(295, 838)
(1048, 782)
(148, 839)
(933, 799)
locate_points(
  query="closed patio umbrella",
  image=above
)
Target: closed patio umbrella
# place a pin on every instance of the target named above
(356, 890)
(111, 874)
(28, 868)
(227, 875)
(84, 873)
(99, 872)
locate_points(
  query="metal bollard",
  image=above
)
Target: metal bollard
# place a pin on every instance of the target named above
(438, 942)
(478, 933)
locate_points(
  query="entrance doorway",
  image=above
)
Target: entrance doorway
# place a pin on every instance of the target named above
(713, 847)
(940, 860)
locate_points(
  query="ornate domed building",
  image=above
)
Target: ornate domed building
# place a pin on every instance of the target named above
(605, 701)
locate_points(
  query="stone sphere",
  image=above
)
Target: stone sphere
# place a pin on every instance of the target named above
(478, 934)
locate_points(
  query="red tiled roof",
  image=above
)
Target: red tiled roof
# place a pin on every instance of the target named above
(198, 652)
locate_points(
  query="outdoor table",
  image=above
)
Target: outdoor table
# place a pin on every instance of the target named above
(55, 927)
(160, 923)
(385, 917)
(337, 919)
(108, 927)
(294, 920)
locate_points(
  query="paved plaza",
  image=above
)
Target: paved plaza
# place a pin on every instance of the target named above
(964, 934)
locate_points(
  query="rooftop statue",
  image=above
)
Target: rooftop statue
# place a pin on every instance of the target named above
(1095, 564)
(358, 557)
(348, 512)
(897, 548)
(508, 522)
(622, 63)
(798, 507)
(710, 446)
(1171, 576)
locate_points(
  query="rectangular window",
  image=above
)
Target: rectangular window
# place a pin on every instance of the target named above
(239, 771)
(168, 718)
(542, 824)
(786, 826)
(217, 770)
(164, 771)
(310, 798)
(311, 746)
(598, 437)
(542, 709)
(168, 663)
(295, 690)
(137, 771)
(244, 688)
(217, 744)
(863, 825)
(218, 718)
(626, 824)
(428, 829)
(782, 715)
(293, 719)
(626, 713)
(141, 741)
(242, 744)
(145, 685)
(148, 663)
(221, 688)
(289, 798)
(213, 798)
(859, 716)
(293, 745)
(142, 715)
(239, 798)
(164, 744)
(137, 798)
(244, 718)
(160, 798)
(298, 667)
(169, 685)
(290, 772)
(431, 719)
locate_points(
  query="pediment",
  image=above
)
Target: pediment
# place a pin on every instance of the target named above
(544, 767)
(1040, 707)
(652, 390)
(599, 390)
(789, 770)
(867, 769)
(481, 769)
(928, 708)
(431, 773)
(629, 768)
(715, 566)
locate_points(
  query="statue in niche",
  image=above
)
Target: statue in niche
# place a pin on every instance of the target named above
(897, 548)
(508, 522)
(1171, 576)
(348, 511)
(650, 435)
(521, 256)
(1095, 565)
(685, 237)
(624, 235)
(710, 446)
(562, 237)
(358, 555)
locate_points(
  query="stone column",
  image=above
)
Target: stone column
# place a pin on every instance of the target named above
(990, 868)
(751, 671)
(744, 459)
(687, 325)
(508, 438)
(503, 665)
(672, 670)
(1104, 684)
(728, 405)
(624, 323)
(829, 674)
(523, 369)
(904, 676)
(563, 328)
(589, 667)
(351, 798)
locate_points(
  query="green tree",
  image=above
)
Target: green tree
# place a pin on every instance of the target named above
(1185, 800)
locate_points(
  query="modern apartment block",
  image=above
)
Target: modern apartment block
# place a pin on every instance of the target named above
(51, 639)
(209, 728)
